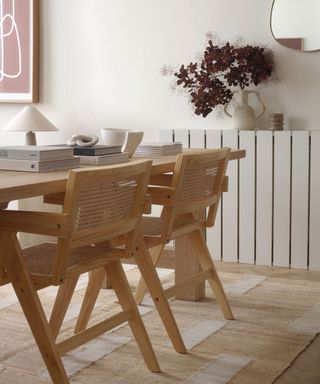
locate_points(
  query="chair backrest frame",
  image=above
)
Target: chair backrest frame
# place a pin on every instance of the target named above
(214, 158)
(131, 179)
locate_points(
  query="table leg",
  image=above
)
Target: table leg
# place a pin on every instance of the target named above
(188, 265)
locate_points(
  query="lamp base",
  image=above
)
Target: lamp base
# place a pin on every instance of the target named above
(31, 138)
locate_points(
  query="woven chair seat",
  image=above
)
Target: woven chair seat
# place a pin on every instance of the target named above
(152, 226)
(40, 258)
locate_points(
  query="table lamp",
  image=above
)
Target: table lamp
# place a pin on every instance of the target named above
(30, 120)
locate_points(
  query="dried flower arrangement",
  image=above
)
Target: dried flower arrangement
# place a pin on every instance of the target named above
(209, 82)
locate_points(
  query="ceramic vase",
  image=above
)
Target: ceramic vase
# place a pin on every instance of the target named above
(244, 116)
(129, 140)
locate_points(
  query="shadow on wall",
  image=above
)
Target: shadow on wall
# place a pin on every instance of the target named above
(297, 124)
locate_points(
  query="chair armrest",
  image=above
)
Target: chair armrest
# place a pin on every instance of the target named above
(162, 195)
(42, 223)
(147, 204)
(225, 184)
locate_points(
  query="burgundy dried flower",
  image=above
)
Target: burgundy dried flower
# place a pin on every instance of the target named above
(221, 67)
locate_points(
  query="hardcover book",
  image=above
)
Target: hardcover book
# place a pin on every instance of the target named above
(35, 152)
(39, 166)
(96, 150)
(105, 159)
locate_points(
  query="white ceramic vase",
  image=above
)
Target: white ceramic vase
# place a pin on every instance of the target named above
(129, 140)
(244, 116)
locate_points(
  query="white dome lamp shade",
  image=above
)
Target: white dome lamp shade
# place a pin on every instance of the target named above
(29, 120)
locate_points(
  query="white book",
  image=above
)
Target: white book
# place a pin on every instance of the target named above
(39, 166)
(105, 159)
(35, 152)
(160, 144)
(158, 148)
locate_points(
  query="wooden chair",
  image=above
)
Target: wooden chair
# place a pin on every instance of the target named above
(100, 204)
(196, 184)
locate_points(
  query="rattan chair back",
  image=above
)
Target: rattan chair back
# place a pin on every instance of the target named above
(196, 184)
(103, 203)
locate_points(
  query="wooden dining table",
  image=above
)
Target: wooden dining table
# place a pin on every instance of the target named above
(20, 185)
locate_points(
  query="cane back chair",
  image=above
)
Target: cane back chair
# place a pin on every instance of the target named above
(100, 204)
(196, 184)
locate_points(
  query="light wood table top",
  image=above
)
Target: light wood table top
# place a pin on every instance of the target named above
(19, 185)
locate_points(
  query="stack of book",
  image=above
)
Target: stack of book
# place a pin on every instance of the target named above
(100, 154)
(33, 158)
(155, 149)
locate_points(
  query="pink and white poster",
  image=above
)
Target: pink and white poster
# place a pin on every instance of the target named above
(18, 47)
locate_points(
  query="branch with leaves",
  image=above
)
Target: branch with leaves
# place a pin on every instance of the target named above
(210, 81)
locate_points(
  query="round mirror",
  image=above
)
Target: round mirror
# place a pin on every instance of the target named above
(296, 24)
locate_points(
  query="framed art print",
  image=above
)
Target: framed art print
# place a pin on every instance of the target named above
(19, 51)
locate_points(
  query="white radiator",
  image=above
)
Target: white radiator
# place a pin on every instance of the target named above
(271, 213)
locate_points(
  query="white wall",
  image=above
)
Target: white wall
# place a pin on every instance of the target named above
(101, 60)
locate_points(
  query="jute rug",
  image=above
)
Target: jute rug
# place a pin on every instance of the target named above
(305, 368)
(276, 319)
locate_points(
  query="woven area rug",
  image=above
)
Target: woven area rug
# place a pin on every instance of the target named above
(276, 320)
(305, 368)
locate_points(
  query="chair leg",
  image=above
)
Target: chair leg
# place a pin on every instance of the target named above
(123, 291)
(32, 308)
(206, 262)
(142, 288)
(95, 283)
(61, 304)
(152, 280)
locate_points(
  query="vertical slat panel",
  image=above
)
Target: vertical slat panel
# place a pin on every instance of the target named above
(281, 215)
(182, 135)
(273, 195)
(197, 138)
(299, 219)
(264, 198)
(166, 135)
(247, 198)
(213, 140)
(314, 241)
(230, 203)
